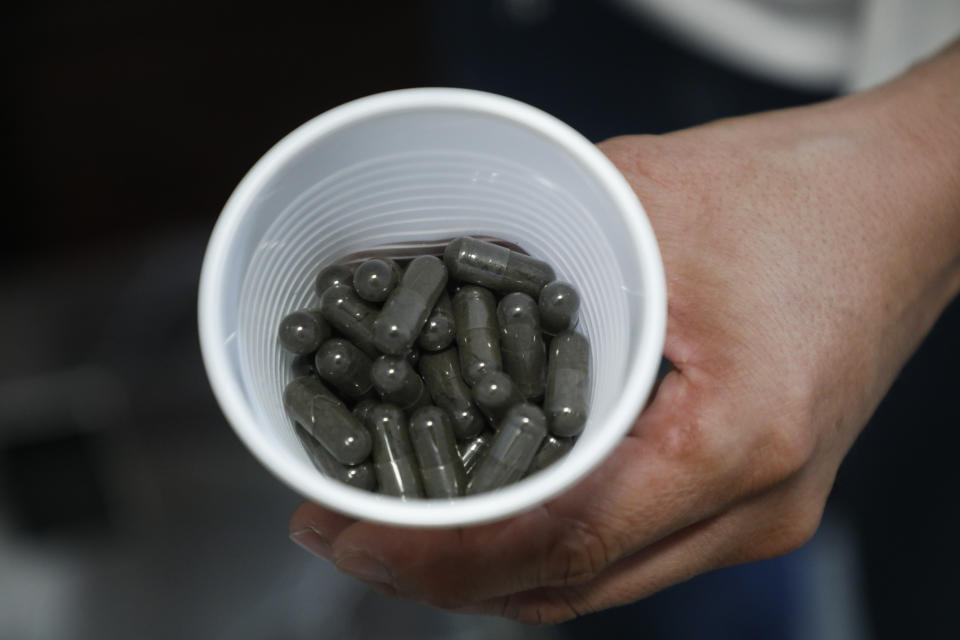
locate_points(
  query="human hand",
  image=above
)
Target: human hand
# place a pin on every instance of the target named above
(806, 257)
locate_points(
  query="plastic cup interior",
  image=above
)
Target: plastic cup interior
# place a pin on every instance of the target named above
(400, 174)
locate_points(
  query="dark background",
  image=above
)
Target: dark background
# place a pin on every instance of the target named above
(127, 506)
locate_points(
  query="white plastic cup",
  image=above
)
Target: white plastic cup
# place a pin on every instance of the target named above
(423, 166)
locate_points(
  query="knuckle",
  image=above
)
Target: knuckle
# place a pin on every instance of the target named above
(793, 445)
(792, 531)
(684, 441)
(699, 441)
(804, 525)
(787, 444)
(577, 554)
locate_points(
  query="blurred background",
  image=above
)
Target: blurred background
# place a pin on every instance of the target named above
(127, 506)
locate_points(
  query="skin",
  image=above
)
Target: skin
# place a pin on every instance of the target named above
(807, 252)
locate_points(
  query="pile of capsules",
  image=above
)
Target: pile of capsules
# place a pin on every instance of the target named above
(443, 392)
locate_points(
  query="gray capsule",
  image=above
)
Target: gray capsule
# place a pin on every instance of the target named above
(495, 394)
(360, 476)
(333, 275)
(496, 267)
(375, 278)
(406, 310)
(512, 450)
(566, 401)
(344, 366)
(471, 451)
(302, 331)
(478, 337)
(398, 383)
(550, 451)
(302, 365)
(436, 448)
(327, 419)
(559, 307)
(362, 409)
(351, 316)
(441, 375)
(438, 332)
(521, 343)
(393, 458)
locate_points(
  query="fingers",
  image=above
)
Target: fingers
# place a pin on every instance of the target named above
(677, 558)
(775, 523)
(669, 474)
(314, 528)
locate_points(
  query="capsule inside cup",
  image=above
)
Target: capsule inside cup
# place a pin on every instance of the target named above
(512, 451)
(303, 331)
(559, 306)
(393, 458)
(496, 267)
(359, 476)
(351, 316)
(435, 445)
(566, 402)
(441, 375)
(522, 347)
(326, 418)
(405, 312)
(375, 278)
(478, 337)
(495, 394)
(344, 366)
(398, 383)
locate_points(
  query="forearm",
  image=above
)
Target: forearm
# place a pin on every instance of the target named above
(899, 182)
(915, 123)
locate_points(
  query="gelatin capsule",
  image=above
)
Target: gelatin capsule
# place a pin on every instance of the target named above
(512, 450)
(441, 375)
(472, 450)
(398, 383)
(362, 409)
(327, 419)
(478, 337)
(550, 451)
(566, 401)
(375, 278)
(495, 394)
(406, 309)
(496, 267)
(438, 332)
(360, 476)
(341, 364)
(393, 457)
(435, 445)
(332, 275)
(302, 331)
(559, 306)
(351, 316)
(521, 344)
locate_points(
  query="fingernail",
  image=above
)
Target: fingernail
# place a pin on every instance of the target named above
(313, 542)
(363, 567)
